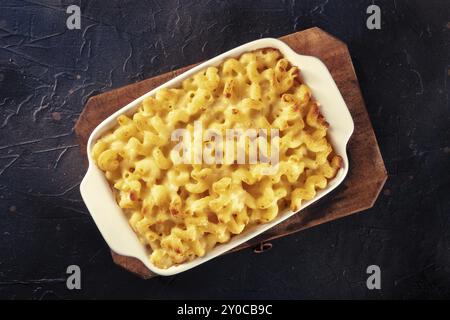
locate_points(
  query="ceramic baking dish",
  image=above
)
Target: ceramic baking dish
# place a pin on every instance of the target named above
(110, 219)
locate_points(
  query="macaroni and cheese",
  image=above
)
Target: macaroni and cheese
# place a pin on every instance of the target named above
(182, 210)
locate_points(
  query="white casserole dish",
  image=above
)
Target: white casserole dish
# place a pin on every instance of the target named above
(110, 219)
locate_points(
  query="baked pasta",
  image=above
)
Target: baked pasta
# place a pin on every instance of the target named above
(180, 209)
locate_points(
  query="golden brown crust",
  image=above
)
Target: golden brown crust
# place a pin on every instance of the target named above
(314, 112)
(265, 50)
(173, 211)
(133, 196)
(337, 163)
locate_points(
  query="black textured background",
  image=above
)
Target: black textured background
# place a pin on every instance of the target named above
(47, 73)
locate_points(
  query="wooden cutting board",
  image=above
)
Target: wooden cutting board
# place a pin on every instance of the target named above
(367, 173)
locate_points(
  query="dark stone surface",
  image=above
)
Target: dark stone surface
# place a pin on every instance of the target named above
(47, 72)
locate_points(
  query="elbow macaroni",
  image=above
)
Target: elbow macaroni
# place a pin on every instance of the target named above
(181, 211)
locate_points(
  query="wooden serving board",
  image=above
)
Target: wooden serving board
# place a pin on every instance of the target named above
(367, 173)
